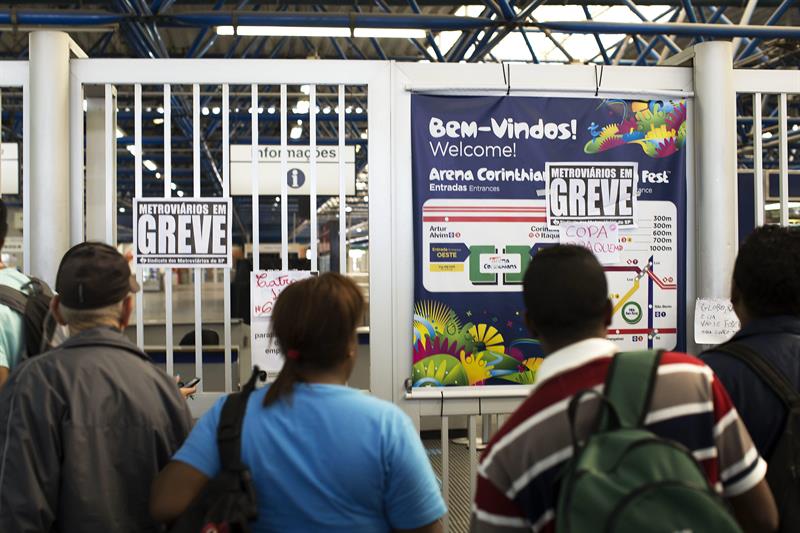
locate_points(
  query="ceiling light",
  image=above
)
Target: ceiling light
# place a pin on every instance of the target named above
(302, 106)
(158, 175)
(205, 111)
(149, 165)
(767, 135)
(289, 31)
(160, 110)
(173, 186)
(236, 110)
(132, 149)
(215, 110)
(305, 89)
(296, 132)
(127, 109)
(348, 209)
(158, 121)
(777, 206)
(271, 110)
(359, 110)
(85, 104)
(390, 33)
(366, 199)
(121, 209)
(322, 31)
(364, 135)
(326, 109)
(120, 133)
(149, 109)
(180, 193)
(349, 109)
(277, 198)
(796, 127)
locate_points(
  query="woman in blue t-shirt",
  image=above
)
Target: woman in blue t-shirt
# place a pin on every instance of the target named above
(324, 457)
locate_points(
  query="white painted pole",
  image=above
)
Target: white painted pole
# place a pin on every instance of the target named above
(342, 197)
(312, 128)
(716, 157)
(77, 169)
(110, 159)
(284, 186)
(445, 441)
(49, 191)
(255, 178)
(198, 274)
(137, 134)
(758, 161)
(167, 194)
(783, 157)
(226, 279)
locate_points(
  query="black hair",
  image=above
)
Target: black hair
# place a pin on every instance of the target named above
(766, 272)
(566, 293)
(3, 223)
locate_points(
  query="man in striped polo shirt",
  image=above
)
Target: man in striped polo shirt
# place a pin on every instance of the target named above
(568, 310)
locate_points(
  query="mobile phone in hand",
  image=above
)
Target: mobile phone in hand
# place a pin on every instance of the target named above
(191, 383)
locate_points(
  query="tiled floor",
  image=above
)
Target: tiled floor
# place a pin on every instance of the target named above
(460, 501)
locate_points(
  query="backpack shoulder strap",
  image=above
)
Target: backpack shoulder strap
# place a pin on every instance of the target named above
(13, 299)
(229, 431)
(629, 385)
(763, 369)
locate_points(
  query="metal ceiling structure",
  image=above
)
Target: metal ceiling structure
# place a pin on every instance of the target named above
(609, 32)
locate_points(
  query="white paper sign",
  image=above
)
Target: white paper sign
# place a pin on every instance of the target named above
(298, 170)
(601, 238)
(265, 287)
(714, 321)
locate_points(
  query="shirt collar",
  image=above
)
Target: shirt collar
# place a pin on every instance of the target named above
(573, 356)
(773, 324)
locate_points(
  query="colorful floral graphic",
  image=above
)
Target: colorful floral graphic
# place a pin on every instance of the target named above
(449, 352)
(657, 126)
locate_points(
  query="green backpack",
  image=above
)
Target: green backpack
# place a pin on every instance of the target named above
(624, 478)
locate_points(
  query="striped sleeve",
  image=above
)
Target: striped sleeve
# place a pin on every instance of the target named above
(494, 512)
(740, 466)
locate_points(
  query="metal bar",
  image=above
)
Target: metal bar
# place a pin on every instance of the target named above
(167, 194)
(652, 28)
(137, 110)
(472, 436)
(528, 44)
(342, 199)
(26, 177)
(226, 275)
(597, 37)
(445, 445)
(77, 162)
(775, 17)
(284, 185)
(784, 160)
(254, 177)
(312, 98)
(758, 161)
(666, 40)
(109, 157)
(198, 273)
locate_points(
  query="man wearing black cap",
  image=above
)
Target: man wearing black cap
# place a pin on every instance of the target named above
(85, 428)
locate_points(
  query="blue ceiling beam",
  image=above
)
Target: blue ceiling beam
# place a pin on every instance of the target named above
(773, 19)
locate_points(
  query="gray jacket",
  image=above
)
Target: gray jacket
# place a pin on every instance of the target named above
(84, 429)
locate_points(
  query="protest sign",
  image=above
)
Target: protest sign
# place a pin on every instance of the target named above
(714, 321)
(600, 238)
(591, 192)
(265, 287)
(186, 232)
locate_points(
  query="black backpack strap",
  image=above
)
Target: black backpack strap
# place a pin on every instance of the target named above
(629, 385)
(229, 430)
(13, 299)
(763, 369)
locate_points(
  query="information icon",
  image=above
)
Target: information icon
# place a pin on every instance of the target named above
(295, 178)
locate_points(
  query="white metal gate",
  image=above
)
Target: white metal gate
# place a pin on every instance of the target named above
(254, 74)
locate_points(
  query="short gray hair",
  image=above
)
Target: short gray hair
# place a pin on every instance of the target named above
(82, 319)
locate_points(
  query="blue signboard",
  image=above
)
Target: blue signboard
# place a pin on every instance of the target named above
(481, 170)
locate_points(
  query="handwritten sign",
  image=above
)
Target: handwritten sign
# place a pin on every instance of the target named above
(714, 321)
(265, 287)
(601, 238)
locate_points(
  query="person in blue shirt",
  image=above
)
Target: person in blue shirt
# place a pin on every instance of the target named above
(323, 456)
